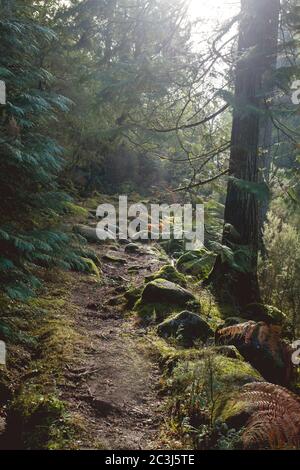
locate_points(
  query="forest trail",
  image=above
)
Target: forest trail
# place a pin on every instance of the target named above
(114, 384)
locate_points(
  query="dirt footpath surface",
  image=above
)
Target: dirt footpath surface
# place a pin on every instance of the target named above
(114, 384)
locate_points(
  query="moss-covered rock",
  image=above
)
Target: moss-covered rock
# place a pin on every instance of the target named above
(195, 379)
(173, 247)
(132, 295)
(216, 372)
(169, 273)
(231, 410)
(112, 258)
(160, 298)
(133, 248)
(234, 372)
(187, 326)
(161, 290)
(264, 313)
(261, 345)
(196, 263)
(154, 311)
(228, 351)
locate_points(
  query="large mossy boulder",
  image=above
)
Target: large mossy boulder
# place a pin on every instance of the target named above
(169, 273)
(160, 298)
(161, 290)
(186, 326)
(261, 345)
(197, 263)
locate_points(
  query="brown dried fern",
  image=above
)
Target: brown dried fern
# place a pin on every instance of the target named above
(274, 416)
(240, 331)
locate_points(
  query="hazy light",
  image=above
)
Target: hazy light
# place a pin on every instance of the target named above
(214, 10)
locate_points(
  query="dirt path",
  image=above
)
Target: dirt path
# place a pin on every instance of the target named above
(114, 384)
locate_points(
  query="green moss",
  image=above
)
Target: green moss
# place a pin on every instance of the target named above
(169, 273)
(47, 303)
(154, 312)
(210, 309)
(92, 268)
(195, 381)
(77, 210)
(195, 386)
(160, 298)
(132, 295)
(225, 373)
(114, 258)
(230, 410)
(29, 404)
(34, 415)
(36, 410)
(41, 421)
(197, 263)
(265, 313)
(161, 290)
(228, 351)
(187, 327)
(172, 246)
(168, 355)
(234, 371)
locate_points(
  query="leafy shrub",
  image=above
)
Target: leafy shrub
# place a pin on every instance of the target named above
(279, 272)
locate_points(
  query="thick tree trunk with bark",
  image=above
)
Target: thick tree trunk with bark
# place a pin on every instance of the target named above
(256, 49)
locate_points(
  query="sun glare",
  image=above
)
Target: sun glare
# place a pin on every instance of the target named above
(214, 10)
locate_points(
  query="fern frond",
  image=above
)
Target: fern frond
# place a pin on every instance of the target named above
(274, 416)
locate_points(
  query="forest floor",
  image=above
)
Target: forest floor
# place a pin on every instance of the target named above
(93, 360)
(115, 384)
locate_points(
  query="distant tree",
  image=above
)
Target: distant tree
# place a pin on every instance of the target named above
(235, 277)
(32, 204)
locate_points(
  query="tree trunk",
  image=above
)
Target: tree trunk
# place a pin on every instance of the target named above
(256, 49)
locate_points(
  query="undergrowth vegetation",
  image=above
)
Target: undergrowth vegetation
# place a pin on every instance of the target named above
(42, 341)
